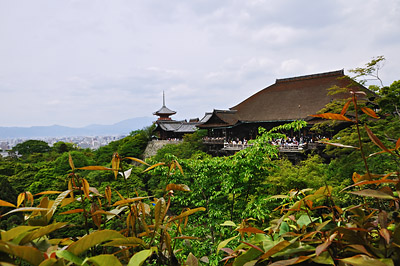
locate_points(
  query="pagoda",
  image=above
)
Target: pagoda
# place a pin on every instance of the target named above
(164, 112)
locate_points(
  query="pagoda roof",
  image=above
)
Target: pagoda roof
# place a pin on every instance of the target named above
(164, 111)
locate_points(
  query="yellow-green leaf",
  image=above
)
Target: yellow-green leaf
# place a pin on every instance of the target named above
(92, 240)
(104, 260)
(57, 202)
(179, 187)
(21, 198)
(25, 209)
(126, 241)
(71, 162)
(225, 242)
(47, 192)
(45, 230)
(363, 260)
(29, 254)
(6, 204)
(115, 164)
(139, 258)
(372, 193)
(153, 166)
(137, 160)
(73, 211)
(15, 232)
(159, 212)
(187, 213)
(126, 201)
(94, 167)
(85, 187)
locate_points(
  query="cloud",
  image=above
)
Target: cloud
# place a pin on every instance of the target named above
(83, 62)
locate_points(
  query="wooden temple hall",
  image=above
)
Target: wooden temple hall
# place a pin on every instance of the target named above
(286, 100)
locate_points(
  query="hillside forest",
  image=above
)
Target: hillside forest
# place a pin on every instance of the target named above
(62, 205)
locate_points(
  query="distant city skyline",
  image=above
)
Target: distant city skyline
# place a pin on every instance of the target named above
(76, 63)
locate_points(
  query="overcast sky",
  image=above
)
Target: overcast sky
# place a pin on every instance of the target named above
(81, 62)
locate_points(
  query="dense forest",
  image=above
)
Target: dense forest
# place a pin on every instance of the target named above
(63, 205)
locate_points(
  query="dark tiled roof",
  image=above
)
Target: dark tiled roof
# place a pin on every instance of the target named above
(220, 118)
(292, 98)
(287, 100)
(164, 111)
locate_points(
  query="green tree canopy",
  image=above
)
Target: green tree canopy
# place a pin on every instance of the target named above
(32, 146)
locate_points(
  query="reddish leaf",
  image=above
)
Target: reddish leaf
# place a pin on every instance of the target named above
(376, 140)
(332, 116)
(275, 249)
(369, 112)
(398, 144)
(94, 167)
(345, 107)
(73, 211)
(253, 246)
(385, 234)
(250, 230)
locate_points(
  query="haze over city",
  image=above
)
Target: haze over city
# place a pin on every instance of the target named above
(76, 63)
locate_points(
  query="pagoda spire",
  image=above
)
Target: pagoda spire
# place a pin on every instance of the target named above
(163, 98)
(164, 112)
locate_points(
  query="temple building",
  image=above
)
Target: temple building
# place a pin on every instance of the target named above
(167, 128)
(286, 100)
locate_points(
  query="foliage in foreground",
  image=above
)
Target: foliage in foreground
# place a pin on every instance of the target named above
(314, 230)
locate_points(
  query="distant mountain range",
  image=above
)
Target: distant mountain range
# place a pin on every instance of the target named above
(123, 127)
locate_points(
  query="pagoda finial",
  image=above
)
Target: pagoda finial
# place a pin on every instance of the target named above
(163, 98)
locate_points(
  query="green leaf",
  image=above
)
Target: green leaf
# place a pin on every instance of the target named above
(139, 258)
(65, 254)
(104, 260)
(29, 254)
(305, 220)
(93, 239)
